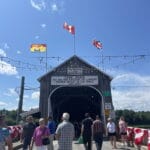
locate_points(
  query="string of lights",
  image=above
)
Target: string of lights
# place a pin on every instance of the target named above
(5, 61)
(31, 88)
(129, 86)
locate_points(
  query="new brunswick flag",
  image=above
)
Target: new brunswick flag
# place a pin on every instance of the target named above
(38, 47)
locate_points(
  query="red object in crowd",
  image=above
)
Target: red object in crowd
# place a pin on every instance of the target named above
(15, 131)
(148, 144)
(139, 135)
(130, 133)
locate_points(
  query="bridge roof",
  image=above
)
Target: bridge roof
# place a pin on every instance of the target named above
(81, 60)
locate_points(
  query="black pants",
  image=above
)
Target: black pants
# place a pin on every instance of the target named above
(98, 145)
(26, 143)
(98, 138)
(87, 143)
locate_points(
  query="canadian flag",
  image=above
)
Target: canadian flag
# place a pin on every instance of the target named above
(97, 44)
(148, 144)
(130, 133)
(70, 28)
(139, 134)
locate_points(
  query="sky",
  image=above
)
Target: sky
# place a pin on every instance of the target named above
(122, 26)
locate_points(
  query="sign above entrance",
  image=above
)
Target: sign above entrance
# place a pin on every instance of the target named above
(74, 80)
(74, 71)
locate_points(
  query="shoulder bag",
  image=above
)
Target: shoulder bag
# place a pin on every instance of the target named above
(45, 141)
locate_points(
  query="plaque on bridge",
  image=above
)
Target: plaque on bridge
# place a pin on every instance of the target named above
(74, 80)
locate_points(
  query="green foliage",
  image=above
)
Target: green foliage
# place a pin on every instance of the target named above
(134, 118)
(10, 117)
(10, 122)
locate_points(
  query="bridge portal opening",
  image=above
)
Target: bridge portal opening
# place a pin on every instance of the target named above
(76, 101)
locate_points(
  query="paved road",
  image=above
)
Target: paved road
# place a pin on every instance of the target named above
(106, 146)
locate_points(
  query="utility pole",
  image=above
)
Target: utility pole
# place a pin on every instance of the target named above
(20, 99)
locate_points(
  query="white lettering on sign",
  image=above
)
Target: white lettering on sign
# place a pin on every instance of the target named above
(74, 71)
(74, 80)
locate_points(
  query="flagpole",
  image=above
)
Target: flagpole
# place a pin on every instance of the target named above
(102, 61)
(46, 60)
(74, 45)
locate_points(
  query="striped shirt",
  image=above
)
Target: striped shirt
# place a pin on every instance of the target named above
(98, 127)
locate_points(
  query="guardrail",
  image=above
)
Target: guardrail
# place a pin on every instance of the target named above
(15, 132)
(138, 136)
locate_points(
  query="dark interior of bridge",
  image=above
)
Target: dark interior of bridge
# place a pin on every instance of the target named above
(76, 101)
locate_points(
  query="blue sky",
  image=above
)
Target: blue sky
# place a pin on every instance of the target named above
(123, 27)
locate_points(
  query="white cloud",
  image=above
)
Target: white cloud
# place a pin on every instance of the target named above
(37, 37)
(38, 4)
(26, 108)
(6, 46)
(131, 99)
(56, 6)
(2, 103)
(131, 91)
(132, 79)
(26, 96)
(2, 53)
(53, 5)
(18, 77)
(11, 92)
(43, 25)
(18, 52)
(8, 69)
(35, 95)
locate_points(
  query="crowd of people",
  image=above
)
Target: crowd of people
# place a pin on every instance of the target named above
(42, 135)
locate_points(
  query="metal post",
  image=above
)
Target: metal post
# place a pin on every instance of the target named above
(74, 45)
(46, 61)
(20, 99)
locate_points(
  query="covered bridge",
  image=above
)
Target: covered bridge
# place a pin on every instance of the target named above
(75, 87)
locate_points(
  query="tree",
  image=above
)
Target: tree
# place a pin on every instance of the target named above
(134, 118)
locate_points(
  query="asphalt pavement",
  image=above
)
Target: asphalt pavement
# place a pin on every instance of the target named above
(106, 146)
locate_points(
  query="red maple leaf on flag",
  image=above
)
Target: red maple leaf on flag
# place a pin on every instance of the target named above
(69, 28)
(97, 44)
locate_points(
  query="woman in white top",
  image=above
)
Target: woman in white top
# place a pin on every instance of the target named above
(111, 130)
(123, 130)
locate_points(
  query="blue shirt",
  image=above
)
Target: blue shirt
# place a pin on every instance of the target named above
(4, 133)
(52, 127)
